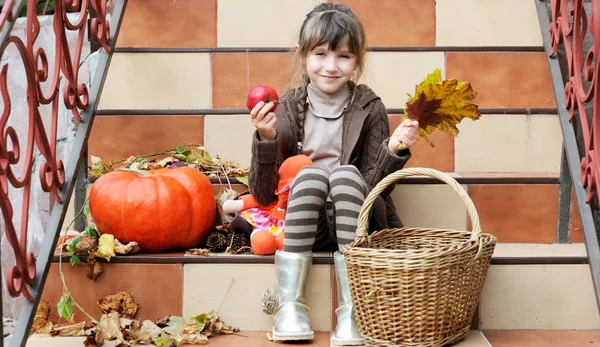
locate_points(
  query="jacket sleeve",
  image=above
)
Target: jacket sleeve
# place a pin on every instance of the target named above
(263, 177)
(380, 161)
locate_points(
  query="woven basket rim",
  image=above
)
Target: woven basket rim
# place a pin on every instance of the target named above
(422, 253)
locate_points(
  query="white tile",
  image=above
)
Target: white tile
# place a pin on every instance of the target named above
(537, 250)
(260, 23)
(230, 137)
(158, 81)
(205, 286)
(430, 206)
(539, 297)
(509, 143)
(392, 75)
(487, 23)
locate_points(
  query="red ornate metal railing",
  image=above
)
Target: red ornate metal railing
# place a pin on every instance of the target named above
(75, 98)
(575, 26)
(17, 156)
(569, 26)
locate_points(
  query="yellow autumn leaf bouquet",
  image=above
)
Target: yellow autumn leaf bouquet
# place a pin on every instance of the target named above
(441, 105)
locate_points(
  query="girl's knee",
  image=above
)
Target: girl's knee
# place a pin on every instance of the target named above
(346, 171)
(346, 176)
(310, 181)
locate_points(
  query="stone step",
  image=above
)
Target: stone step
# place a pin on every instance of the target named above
(527, 287)
(246, 339)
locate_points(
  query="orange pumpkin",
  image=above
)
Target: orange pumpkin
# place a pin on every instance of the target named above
(160, 210)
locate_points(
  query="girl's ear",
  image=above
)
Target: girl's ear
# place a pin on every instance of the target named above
(296, 47)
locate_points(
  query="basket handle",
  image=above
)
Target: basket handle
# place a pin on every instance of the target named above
(362, 230)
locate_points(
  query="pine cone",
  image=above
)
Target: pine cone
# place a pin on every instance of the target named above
(216, 241)
(270, 302)
(239, 240)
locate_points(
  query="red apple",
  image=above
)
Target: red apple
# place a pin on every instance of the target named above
(262, 93)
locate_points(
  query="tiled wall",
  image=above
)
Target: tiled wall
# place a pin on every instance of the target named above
(450, 34)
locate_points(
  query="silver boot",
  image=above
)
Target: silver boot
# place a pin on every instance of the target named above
(291, 318)
(346, 331)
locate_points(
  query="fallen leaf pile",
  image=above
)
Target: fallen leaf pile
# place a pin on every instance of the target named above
(441, 105)
(190, 155)
(43, 326)
(95, 246)
(118, 322)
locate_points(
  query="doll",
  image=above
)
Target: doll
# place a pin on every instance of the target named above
(268, 221)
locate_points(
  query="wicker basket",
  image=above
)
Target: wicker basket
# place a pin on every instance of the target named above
(417, 286)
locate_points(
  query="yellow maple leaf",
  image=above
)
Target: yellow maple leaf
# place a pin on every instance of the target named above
(441, 105)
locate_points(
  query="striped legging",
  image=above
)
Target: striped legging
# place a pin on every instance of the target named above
(323, 207)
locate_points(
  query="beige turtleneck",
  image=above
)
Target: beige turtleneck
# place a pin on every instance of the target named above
(323, 126)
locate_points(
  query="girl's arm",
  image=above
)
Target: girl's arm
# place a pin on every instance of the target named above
(378, 159)
(263, 177)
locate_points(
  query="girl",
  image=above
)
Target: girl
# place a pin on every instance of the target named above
(343, 127)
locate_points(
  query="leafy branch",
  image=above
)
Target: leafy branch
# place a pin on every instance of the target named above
(66, 302)
(192, 155)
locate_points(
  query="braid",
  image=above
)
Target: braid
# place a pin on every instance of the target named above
(302, 94)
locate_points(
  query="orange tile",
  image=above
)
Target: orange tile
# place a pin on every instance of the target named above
(234, 74)
(440, 157)
(143, 281)
(517, 213)
(118, 137)
(535, 338)
(413, 19)
(164, 23)
(504, 80)
(576, 231)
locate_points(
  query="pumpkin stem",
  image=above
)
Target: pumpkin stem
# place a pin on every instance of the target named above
(141, 173)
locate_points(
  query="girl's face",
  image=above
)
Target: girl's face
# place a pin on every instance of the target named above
(330, 70)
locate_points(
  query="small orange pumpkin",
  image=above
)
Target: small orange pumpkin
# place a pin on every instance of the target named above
(160, 210)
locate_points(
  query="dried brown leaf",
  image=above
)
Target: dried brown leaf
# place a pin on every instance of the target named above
(130, 248)
(40, 321)
(121, 302)
(191, 339)
(163, 322)
(77, 329)
(94, 268)
(86, 244)
(165, 161)
(199, 251)
(150, 330)
(110, 326)
(94, 338)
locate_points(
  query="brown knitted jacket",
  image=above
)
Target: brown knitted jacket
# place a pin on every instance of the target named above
(365, 136)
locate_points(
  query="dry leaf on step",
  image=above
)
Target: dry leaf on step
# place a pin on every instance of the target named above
(86, 244)
(94, 338)
(191, 339)
(210, 324)
(121, 302)
(106, 247)
(148, 332)
(94, 268)
(133, 331)
(110, 326)
(199, 251)
(165, 161)
(77, 329)
(130, 248)
(41, 325)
